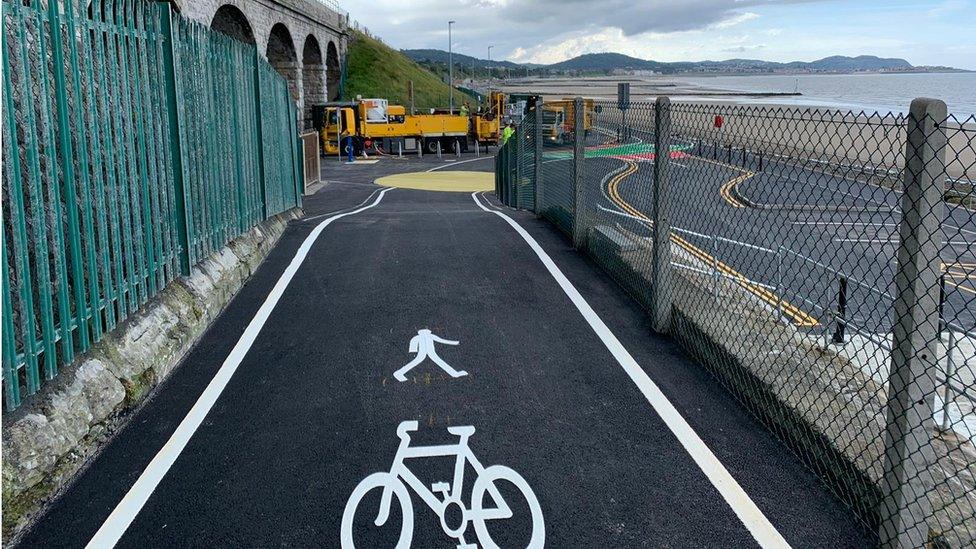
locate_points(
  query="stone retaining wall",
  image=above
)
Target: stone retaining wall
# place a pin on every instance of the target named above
(57, 431)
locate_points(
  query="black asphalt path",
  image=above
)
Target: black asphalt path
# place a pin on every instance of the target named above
(314, 408)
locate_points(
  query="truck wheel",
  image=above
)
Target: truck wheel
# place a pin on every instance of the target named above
(431, 145)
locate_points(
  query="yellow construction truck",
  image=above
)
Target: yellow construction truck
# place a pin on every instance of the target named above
(486, 124)
(374, 124)
(558, 118)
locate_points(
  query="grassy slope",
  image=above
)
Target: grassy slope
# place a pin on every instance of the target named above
(376, 70)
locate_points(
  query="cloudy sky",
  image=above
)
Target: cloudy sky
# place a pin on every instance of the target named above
(546, 31)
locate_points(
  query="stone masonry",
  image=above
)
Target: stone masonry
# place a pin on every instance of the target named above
(300, 52)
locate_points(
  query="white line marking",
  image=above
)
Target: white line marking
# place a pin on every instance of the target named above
(740, 502)
(953, 227)
(398, 477)
(424, 345)
(453, 163)
(125, 512)
(894, 240)
(844, 223)
(365, 200)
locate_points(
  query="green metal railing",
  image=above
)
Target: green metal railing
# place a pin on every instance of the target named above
(135, 143)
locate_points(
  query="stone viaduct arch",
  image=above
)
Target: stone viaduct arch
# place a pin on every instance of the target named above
(304, 40)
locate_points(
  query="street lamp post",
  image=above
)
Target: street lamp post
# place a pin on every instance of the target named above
(489, 66)
(450, 63)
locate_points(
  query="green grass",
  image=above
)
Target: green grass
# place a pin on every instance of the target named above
(376, 70)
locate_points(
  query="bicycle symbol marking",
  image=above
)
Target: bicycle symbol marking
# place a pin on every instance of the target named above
(423, 345)
(395, 482)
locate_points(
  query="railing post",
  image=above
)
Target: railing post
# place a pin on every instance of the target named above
(841, 322)
(519, 157)
(174, 91)
(68, 190)
(715, 273)
(298, 159)
(661, 281)
(537, 168)
(947, 387)
(260, 131)
(579, 151)
(779, 283)
(905, 507)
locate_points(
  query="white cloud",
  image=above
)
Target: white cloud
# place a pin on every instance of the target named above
(737, 19)
(947, 7)
(665, 30)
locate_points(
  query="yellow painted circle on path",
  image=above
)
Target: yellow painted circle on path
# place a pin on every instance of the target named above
(456, 182)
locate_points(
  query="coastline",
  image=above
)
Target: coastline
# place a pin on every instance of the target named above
(755, 121)
(850, 92)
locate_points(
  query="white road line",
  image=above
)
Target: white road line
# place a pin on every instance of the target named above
(844, 223)
(894, 240)
(459, 162)
(754, 520)
(365, 200)
(868, 224)
(953, 227)
(125, 512)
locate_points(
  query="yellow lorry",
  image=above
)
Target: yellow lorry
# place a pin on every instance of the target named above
(366, 124)
(558, 118)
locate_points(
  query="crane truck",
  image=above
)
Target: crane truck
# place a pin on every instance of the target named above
(369, 124)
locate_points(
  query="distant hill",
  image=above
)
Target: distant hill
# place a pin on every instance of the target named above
(837, 63)
(441, 56)
(606, 62)
(859, 63)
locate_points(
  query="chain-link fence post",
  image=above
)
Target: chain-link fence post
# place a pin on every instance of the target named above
(537, 167)
(519, 161)
(911, 385)
(579, 150)
(661, 283)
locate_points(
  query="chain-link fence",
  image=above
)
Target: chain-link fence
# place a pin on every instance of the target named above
(819, 263)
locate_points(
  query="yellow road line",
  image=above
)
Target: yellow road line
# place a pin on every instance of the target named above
(963, 288)
(725, 191)
(799, 317)
(954, 272)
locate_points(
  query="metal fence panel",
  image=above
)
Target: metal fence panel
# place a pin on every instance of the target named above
(131, 151)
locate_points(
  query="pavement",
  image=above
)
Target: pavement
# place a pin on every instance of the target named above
(283, 425)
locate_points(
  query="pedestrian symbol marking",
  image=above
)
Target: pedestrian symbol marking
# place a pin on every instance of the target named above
(444, 498)
(423, 345)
